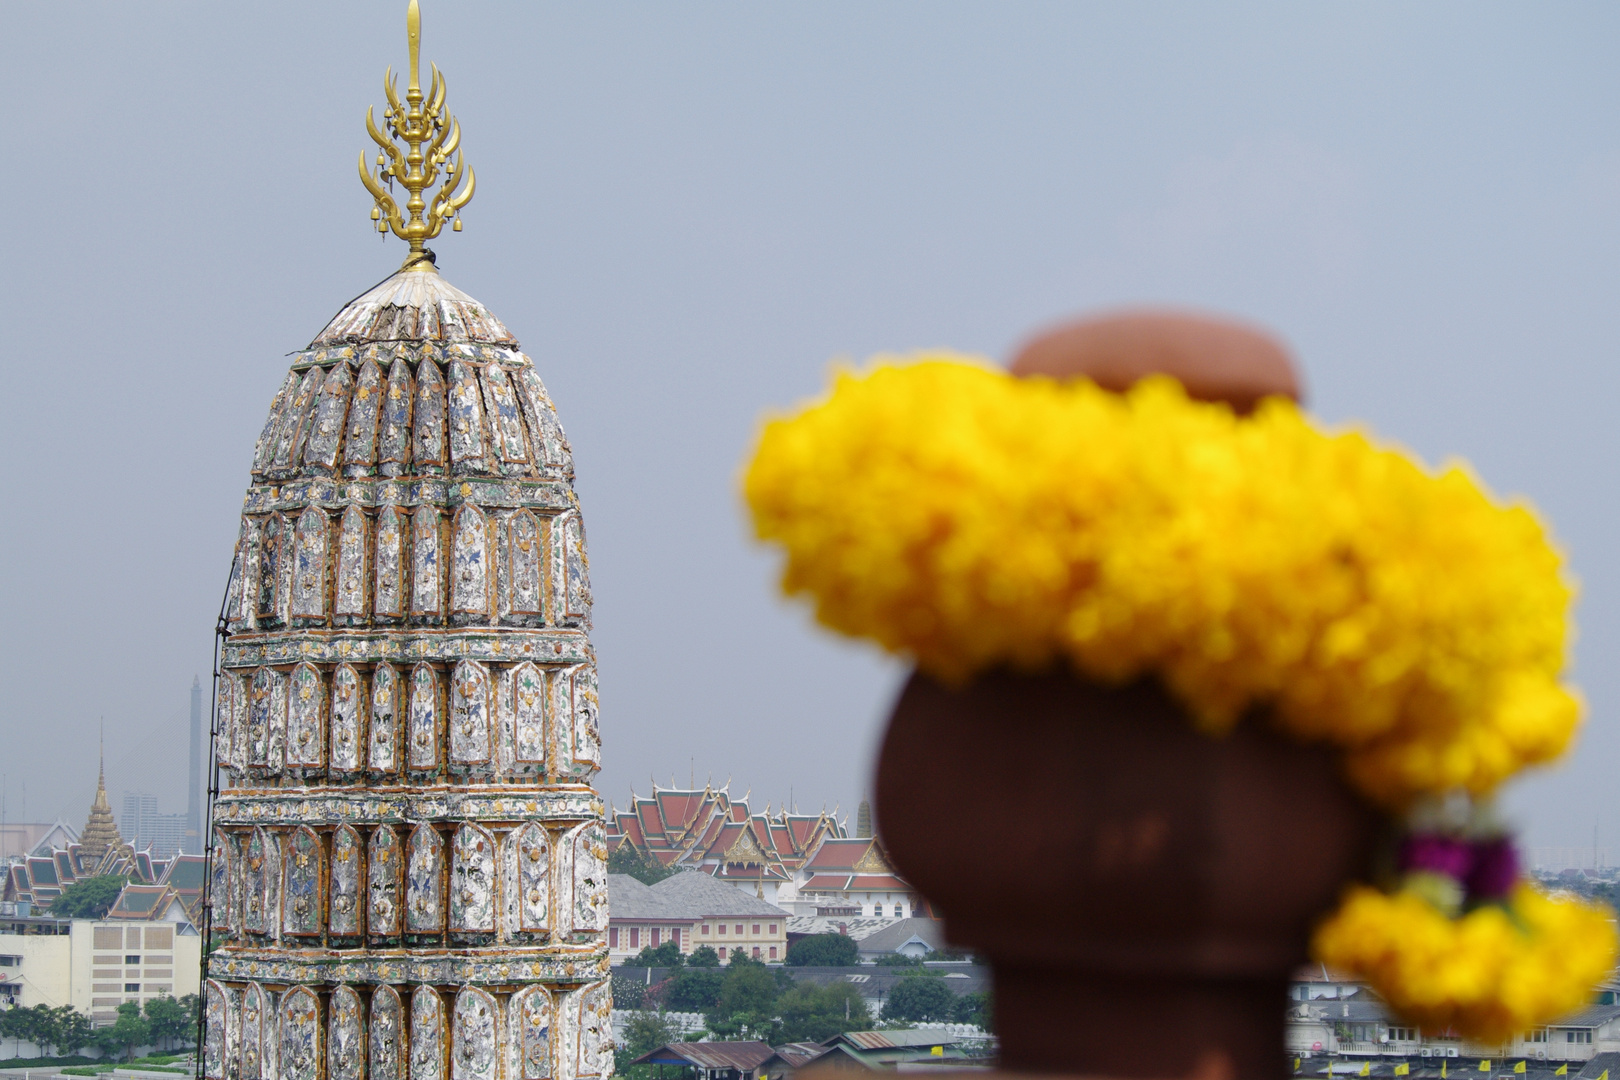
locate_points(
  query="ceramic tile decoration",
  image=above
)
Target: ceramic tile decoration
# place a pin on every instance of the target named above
(408, 872)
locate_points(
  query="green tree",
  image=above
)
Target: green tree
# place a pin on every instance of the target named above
(647, 1031)
(74, 1030)
(88, 899)
(824, 950)
(170, 1021)
(59, 1029)
(123, 1035)
(973, 1009)
(703, 956)
(919, 999)
(811, 1013)
(19, 1025)
(747, 1003)
(192, 1004)
(900, 960)
(694, 989)
(667, 955)
(628, 859)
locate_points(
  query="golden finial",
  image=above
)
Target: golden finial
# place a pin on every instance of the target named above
(420, 140)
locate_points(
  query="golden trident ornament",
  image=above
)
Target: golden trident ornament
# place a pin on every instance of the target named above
(421, 140)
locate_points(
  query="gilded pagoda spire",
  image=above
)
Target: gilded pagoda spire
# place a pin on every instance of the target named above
(101, 831)
(421, 139)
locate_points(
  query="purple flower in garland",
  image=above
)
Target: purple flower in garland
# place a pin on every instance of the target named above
(1435, 854)
(1495, 869)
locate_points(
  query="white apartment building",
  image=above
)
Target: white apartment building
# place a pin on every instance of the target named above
(95, 966)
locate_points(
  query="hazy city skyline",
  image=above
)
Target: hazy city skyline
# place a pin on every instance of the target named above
(685, 214)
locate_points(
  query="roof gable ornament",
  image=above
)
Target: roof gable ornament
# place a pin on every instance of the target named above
(422, 138)
(873, 862)
(745, 850)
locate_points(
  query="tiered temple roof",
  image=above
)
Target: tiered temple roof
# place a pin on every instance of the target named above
(708, 830)
(850, 865)
(40, 879)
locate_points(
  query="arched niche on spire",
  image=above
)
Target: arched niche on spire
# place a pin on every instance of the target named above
(386, 1048)
(466, 419)
(222, 1024)
(349, 595)
(394, 423)
(594, 1056)
(529, 710)
(267, 720)
(289, 434)
(345, 1042)
(311, 537)
(473, 1042)
(532, 1020)
(301, 899)
(524, 572)
(385, 869)
(529, 873)
(422, 720)
(360, 440)
(306, 711)
(428, 443)
(473, 880)
(300, 1049)
(386, 704)
(348, 730)
(470, 566)
(393, 533)
(427, 565)
(254, 1022)
(326, 427)
(469, 725)
(506, 422)
(424, 882)
(427, 1033)
(345, 882)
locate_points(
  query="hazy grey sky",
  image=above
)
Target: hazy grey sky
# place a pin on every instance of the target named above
(684, 211)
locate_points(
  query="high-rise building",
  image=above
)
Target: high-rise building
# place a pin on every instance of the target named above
(409, 871)
(144, 827)
(192, 838)
(139, 813)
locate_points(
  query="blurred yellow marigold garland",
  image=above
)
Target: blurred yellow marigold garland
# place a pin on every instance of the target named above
(966, 519)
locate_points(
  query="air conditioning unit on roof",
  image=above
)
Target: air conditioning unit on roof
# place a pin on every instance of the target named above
(1451, 1051)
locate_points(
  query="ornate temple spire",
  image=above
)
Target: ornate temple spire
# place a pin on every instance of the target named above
(101, 831)
(422, 137)
(407, 865)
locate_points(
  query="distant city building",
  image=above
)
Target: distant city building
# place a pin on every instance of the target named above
(95, 965)
(692, 909)
(192, 837)
(851, 877)
(165, 834)
(19, 839)
(140, 808)
(806, 864)
(908, 937)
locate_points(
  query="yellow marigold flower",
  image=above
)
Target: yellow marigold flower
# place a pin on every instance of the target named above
(965, 518)
(1487, 974)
